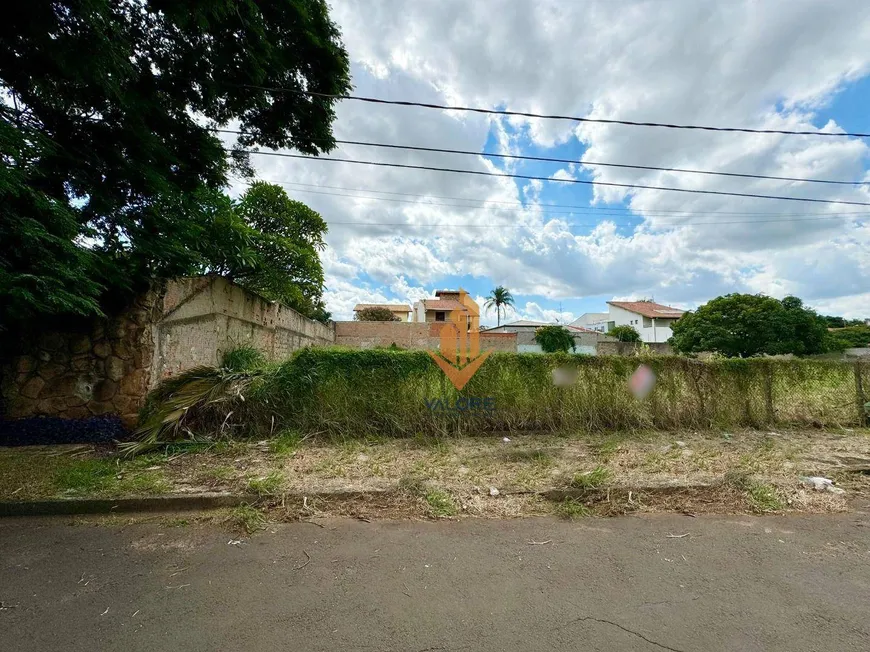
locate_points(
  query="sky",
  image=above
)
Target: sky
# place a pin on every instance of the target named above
(563, 249)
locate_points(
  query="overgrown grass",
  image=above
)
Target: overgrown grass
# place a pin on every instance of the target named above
(248, 518)
(572, 508)
(355, 394)
(440, 503)
(590, 480)
(285, 444)
(764, 498)
(269, 485)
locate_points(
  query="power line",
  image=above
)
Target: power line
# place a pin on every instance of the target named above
(404, 166)
(584, 162)
(509, 224)
(617, 210)
(543, 116)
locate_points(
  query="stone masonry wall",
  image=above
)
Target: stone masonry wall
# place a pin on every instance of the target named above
(409, 335)
(102, 366)
(108, 365)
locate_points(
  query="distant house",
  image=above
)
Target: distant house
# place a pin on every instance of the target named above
(652, 320)
(585, 339)
(590, 319)
(399, 310)
(449, 305)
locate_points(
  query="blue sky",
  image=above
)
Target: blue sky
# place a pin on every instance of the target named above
(782, 65)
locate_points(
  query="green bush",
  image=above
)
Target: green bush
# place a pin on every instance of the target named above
(555, 339)
(354, 393)
(624, 333)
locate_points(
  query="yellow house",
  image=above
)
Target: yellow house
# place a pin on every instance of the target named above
(449, 306)
(400, 311)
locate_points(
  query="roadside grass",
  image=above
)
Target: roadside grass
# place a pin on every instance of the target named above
(215, 474)
(268, 485)
(247, 518)
(590, 480)
(441, 503)
(761, 496)
(571, 508)
(537, 456)
(285, 444)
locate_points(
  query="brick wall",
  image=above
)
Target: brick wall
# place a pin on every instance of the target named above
(426, 336)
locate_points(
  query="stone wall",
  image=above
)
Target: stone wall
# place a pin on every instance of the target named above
(411, 335)
(104, 366)
(96, 367)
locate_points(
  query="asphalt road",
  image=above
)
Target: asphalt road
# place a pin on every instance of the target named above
(741, 583)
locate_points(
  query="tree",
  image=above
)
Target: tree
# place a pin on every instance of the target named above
(109, 158)
(745, 325)
(624, 333)
(555, 339)
(375, 313)
(500, 298)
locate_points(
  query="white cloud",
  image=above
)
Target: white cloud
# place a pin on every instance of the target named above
(772, 64)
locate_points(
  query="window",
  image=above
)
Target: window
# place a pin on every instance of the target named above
(647, 322)
(439, 316)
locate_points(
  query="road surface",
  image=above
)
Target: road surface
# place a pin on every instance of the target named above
(796, 583)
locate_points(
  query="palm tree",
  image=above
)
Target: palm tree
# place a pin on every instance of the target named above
(500, 298)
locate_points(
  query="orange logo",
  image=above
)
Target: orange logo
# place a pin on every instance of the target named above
(460, 356)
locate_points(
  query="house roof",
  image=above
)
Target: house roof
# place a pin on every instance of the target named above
(527, 323)
(443, 304)
(649, 309)
(395, 307)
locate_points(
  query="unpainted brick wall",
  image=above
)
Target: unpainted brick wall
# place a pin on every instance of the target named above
(409, 335)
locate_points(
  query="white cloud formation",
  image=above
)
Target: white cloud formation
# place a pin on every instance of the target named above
(769, 64)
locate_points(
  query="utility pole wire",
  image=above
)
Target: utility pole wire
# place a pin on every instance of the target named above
(548, 159)
(543, 116)
(529, 177)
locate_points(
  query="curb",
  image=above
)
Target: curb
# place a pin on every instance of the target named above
(65, 506)
(193, 502)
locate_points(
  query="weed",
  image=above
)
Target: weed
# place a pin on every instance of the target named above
(243, 358)
(213, 474)
(248, 518)
(285, 444)
(411, 485)
(764, 498)
(269, 485)
(607, 449)
(440, 503)
(593, 479)
(572, 508)
(432, 442)
(537, 456)
(86, 476)
(177, 522)
(148, 482)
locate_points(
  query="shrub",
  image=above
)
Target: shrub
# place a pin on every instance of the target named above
(555, 339)
(375, 313)
(624, 333)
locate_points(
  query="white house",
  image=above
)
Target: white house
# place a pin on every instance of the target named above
(590, 319)
(652, 320)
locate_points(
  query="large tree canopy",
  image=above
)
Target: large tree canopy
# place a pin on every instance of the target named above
(747, 324)
(110, 167)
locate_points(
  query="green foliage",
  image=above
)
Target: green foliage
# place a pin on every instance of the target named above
(624, 333)
(500, 298)
(572, 508)
(109, 162)
(375, 313)
(743, 325)
(248, 518)
(593, 479)
(269, 485)
(440, 503)
(555, 339)
(285, 444)
(851, 336)
(242, 358)
(354, 394)
(284, 238)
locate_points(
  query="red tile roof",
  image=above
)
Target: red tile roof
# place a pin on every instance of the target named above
(649, 309)
(443, 304)
(395, 307)
(581, 329)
